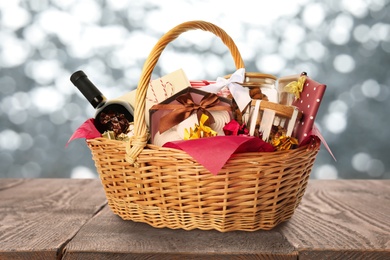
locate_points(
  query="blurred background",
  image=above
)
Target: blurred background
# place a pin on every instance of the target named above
(344, 44)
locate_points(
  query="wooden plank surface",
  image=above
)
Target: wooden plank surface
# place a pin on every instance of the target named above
(343, 219)
(108, 236)
(9, 183)
(64, 218)
(39, 216)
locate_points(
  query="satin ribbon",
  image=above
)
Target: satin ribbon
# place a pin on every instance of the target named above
(186, 107)
(239, 93)
(296, 87)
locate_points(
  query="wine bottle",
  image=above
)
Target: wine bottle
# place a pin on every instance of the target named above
(111, 115)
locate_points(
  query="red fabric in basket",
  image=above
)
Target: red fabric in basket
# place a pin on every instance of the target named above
(214, 152)
(86, 130)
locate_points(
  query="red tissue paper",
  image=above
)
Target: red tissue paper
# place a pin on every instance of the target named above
(86, 130)
(214, 152)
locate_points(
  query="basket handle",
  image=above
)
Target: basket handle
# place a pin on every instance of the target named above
(140, 138)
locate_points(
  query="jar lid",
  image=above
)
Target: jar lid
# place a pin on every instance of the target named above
(256, 78)
(249, 76)
(288, 79)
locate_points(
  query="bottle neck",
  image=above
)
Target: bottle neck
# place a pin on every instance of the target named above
(98, 101)
(88, 89)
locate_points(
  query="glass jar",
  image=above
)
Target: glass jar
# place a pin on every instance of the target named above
(266, 83)
(254, 81)
(286, 98)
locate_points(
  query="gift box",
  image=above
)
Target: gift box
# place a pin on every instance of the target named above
(161, 89)
(308, 103)
(170, 117)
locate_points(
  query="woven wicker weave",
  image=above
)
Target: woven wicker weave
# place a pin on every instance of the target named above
(167, 188)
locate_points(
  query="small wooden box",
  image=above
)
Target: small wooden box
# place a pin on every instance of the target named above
(265, 114)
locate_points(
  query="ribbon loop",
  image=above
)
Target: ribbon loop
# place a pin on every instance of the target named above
(296, 87)
(186, 107)
(239, 93)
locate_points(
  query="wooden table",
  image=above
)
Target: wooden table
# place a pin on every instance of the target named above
(69, 219)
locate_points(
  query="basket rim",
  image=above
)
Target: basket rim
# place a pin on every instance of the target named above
(160, 148)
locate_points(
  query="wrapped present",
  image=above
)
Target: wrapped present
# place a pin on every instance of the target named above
(170, 118)
(224, 92)
(308, 101)
(162, 88)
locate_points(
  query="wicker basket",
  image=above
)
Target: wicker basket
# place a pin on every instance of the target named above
(167, 188)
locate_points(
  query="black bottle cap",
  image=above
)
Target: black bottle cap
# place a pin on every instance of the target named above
(88, 89)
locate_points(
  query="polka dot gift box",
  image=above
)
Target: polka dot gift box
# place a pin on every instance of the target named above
(308, 103)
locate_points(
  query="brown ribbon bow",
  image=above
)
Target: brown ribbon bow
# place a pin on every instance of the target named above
(186, 107)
